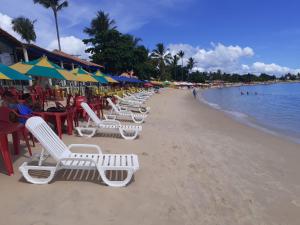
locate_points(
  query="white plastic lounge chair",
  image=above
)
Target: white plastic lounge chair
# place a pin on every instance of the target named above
(128, 132)
(123, 113)
(76, 161)
(133, 106)
(134, 98)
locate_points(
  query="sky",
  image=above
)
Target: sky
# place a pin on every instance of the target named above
(232, 35)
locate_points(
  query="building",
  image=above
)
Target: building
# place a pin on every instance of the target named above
(13, 51)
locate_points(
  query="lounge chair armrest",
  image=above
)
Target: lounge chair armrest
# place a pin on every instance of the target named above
(123, 108)
(110, 117)
(85, 146)
(111, 122)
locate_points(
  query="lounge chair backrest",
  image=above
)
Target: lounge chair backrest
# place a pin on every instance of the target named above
(48, 139)
(112, 105)
(90, 112)
(119, 98)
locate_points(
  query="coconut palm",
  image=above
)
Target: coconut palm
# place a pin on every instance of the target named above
(191, 63)
(181, 55)
(25, 28)
(101, 23)
(162, 57)
(174, 64)
(56, 6)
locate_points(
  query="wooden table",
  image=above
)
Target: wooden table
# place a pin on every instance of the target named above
(58, 118)
(14, 129)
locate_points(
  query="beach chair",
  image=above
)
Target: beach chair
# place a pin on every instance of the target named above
(123, 113)
(141, 100)
(65, 159)
(128, 132)
(132, 105)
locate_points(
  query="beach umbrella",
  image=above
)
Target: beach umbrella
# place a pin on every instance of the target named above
(42, 67)
(7, 73)
(109, 79)
(156, 82)
(148, 84)
(83, 75)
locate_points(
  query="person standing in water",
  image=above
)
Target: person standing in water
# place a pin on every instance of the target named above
(194, 93)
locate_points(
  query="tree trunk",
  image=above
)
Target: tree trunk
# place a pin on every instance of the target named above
(57, 31)
(26, 59)
(182, 69)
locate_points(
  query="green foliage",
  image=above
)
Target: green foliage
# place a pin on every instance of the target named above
(24, 27)
(162, 58)
(116, 51)
(101, 23)
(55, 5)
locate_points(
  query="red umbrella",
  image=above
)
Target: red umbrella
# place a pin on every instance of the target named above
(148, 85)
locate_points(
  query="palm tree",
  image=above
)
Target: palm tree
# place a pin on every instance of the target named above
(162, 56)
(101, 23)
(191, 63)
(56, 6)
(174, 64)
(25, 28)
(181, 55)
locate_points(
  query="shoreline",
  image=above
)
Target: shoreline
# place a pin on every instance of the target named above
(246, 119)
(197, 166)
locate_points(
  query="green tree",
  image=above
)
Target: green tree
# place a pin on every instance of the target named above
(116, 51)
(56, 6)
(191, 63)
(174, 66)
(24, 27)
(101, 23)
(181, 55)
(162, 56)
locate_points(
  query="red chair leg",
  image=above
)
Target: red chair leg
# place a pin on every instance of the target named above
(58, 126)
(25, 136)
(16, 142)
(6, 155)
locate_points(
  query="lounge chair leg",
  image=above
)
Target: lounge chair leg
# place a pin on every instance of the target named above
(110, 183)
(137, 120)
(128, 137)
(24, 169)
(91, 130)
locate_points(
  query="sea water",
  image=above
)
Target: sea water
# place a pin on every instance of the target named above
(274, 108)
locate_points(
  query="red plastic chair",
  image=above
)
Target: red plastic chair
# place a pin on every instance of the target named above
(4, 117)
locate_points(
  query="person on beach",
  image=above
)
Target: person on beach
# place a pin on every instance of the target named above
(194, 93)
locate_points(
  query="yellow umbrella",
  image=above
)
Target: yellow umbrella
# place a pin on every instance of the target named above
(83, 76)
(107, 78)
(42, 67)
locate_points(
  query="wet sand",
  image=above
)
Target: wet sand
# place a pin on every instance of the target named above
(197, 166)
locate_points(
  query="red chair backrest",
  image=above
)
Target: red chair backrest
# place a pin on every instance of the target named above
(4, 113)
(79, 100)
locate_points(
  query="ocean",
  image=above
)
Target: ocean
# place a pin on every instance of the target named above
(274, 108)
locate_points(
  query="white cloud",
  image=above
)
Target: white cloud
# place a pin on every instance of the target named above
(227, 59)
(260, 67)
(219, 57)
(5, 24)
(71, 45)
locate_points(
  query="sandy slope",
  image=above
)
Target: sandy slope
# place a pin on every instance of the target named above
(197, 167)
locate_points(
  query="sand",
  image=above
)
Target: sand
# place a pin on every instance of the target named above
(197, 166)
